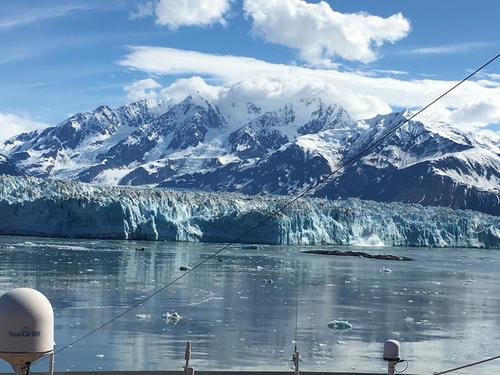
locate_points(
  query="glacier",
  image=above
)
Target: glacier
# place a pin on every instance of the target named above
(37, 207)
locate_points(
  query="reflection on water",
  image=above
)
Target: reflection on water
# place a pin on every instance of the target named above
(443, 308)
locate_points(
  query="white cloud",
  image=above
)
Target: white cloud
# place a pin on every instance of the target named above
(488, 83)
(470, 116)
(143, 10)
(142, 89)
(32, 14)
(181, 88)
(483, 110)
(493, 76)
(363, 96)
(11, 125)
(446, 49)
(320, 33)
(176, 13)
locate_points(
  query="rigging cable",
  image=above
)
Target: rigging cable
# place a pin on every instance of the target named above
(469, 365)
(295, 356)
(296, 317)
(277, 211)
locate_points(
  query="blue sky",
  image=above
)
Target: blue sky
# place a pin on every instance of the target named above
(59, 57)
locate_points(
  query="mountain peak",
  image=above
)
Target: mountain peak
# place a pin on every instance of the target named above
(196, 100)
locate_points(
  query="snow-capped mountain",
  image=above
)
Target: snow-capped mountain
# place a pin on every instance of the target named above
(194, 145)
(8, 167)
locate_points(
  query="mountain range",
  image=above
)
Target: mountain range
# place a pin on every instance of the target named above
(196, 145)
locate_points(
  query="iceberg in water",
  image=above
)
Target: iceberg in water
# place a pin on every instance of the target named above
(32, 206)
(339, 324)
(174, 317)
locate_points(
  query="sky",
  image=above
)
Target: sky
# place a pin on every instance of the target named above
(59, 57)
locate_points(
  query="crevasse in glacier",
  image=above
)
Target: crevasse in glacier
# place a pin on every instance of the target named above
(32, 206)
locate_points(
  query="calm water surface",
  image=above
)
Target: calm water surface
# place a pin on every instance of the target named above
(444, 308)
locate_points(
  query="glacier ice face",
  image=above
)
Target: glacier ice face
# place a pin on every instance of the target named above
(32, 206)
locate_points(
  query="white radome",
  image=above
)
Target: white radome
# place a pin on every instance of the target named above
(26, 323)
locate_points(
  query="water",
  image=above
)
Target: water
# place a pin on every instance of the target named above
(444, 308)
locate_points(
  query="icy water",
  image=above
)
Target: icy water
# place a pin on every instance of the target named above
(444, 308)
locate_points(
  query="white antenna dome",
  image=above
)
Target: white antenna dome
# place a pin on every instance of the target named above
(26, 326)
(391, 350)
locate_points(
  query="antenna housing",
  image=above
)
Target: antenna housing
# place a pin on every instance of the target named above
(26, 328)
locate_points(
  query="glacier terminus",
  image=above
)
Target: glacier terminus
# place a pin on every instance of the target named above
(36, 207)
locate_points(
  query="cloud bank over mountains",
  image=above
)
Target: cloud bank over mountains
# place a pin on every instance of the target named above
(321, 36)
(11, 125)
(474, 104)
(332, 53)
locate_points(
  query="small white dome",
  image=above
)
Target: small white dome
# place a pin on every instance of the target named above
(26, 322)
(391, 350)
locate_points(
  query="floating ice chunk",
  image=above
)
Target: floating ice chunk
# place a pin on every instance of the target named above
(422, 322)
(100, 356)
(259, 268)
(174, 317)
(143, 316)
(339, 324)
(469, 282)
(385, 270)
(409, 319)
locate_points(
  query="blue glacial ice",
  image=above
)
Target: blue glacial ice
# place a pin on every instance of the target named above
(32, 206)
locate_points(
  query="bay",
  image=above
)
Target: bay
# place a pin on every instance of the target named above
(444, 307)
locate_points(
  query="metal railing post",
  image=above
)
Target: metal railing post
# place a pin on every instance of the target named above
(188, 370)
(51, 363)
(391, 368)
(296, 358)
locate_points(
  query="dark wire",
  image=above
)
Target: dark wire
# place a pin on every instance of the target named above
(295, 357)
(276, 212)
(406, 368)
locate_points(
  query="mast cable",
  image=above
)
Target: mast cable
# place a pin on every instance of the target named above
(296, 355)
(296, 317)
(277, 211)
(464, 366)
